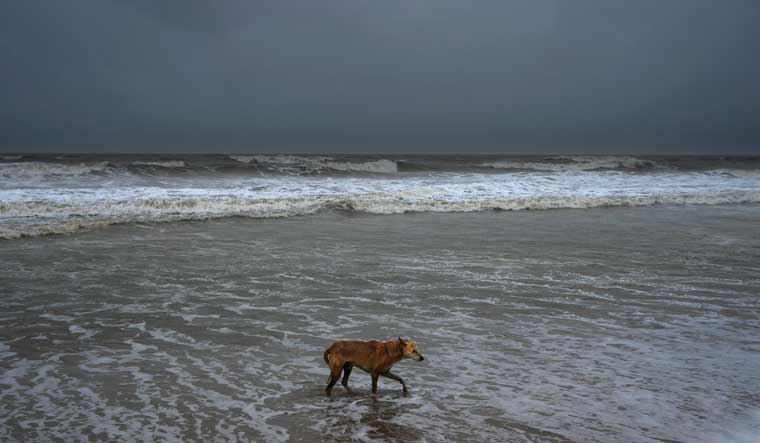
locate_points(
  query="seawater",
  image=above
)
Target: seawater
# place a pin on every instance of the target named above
(584, 325)
(42, 195)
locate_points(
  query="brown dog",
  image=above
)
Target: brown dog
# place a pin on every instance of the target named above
(375, 357)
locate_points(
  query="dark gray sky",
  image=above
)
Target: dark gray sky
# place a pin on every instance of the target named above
(504, 76)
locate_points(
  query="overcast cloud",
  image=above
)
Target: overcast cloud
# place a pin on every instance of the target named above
(508, 76)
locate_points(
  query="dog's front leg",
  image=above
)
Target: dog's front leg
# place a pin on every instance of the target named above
(375, 375)
(393, 376)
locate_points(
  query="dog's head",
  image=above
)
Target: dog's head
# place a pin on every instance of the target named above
(409, 350)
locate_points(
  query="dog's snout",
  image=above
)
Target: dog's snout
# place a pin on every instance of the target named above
(421, 357)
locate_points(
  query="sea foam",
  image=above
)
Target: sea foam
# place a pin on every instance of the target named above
(35, 211)
(41, 169)
(63, 196)
(162, 164)
(297, 164)
(575, 163)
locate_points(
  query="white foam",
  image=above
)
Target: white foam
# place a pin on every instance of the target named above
(162, 164)
(290, 159)
(315, 164)
(54, 317)
(289, 164)
(5, 351)
(39, 169)
(138, 326)
(575, 163)
(378, 166)
(737, 173)
(190, 317)
(243, 158)
(83, 333)
(171, 336)
(47, 210)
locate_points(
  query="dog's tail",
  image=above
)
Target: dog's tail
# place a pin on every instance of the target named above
(327, 356)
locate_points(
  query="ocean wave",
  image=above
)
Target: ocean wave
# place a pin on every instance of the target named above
(736, 173)
(382, 166)
(243, 158)
(43, 217)
(575, 163)
(297, 164)
(396, 205)
(161, 164)
(285, 159)
(42, 169)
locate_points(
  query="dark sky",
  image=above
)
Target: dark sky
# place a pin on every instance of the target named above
(500, 76)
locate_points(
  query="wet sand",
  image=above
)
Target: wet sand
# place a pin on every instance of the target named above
(596, 325)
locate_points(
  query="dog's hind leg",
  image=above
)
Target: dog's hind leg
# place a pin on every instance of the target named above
(346, 373)
(393, 376)
(334, 376)
(333, 379)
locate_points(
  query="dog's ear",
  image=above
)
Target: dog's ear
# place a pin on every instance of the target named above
(401, 340)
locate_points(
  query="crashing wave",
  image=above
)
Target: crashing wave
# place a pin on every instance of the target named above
(296, 164)
(575, 163)
(161, 164)
(736, 173)
(42, 217)
(243, 158)
(285, 159)
(377, 166)
(41, 169)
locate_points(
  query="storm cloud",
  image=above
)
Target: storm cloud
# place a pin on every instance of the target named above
(517, 76)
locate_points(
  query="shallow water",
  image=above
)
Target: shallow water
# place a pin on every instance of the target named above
(596, 325)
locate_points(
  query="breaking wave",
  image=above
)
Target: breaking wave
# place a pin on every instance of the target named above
(77, 192)
(54, 217)
(41, 169)
(296, 164)
(737, 173)
(376, 166)
(575, 163)
(243, 158)
(162, 164)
